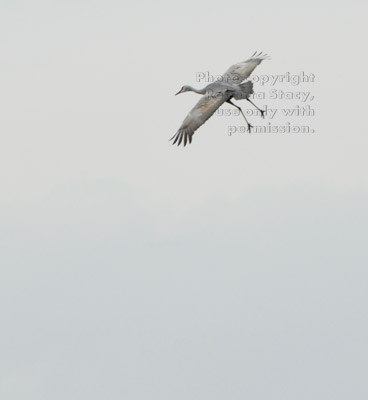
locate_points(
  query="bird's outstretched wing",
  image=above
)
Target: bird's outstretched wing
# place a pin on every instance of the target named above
(240, 71)
(200, 113)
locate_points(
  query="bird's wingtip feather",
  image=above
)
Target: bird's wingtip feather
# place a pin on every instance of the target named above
(182, 136)
(260, 55)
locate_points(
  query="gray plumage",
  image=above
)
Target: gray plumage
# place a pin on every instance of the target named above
(242, 70)
(217, 93)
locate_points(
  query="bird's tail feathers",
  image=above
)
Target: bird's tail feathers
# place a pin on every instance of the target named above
(246, 89)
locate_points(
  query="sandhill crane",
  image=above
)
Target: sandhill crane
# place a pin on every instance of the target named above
(217, 93)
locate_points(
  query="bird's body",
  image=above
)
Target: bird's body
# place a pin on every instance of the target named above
(215, 94)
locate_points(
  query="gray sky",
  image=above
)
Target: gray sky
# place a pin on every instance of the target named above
(132, 269)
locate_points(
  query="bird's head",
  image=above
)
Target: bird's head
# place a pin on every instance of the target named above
(185, 88)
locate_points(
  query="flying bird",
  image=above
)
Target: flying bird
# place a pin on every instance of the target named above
(217, 93)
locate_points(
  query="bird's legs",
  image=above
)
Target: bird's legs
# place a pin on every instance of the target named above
(261, 111)
(249, 125)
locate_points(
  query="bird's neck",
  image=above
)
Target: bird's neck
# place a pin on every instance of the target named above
(199, 91)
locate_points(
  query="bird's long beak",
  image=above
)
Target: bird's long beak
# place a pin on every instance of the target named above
(178, 92)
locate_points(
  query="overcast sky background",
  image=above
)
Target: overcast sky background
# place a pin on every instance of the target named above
(235, 268)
